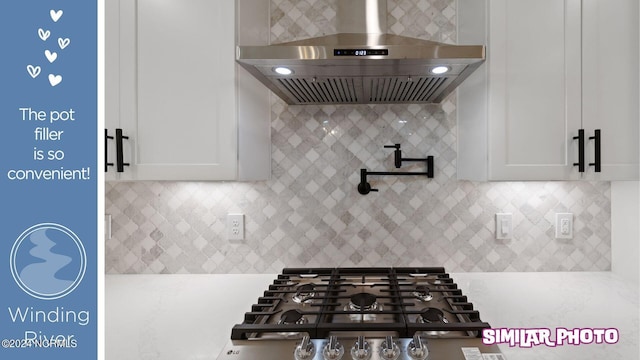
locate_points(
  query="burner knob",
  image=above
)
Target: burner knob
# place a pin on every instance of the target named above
(333, 350)
(305, 350)
(389, 350)
(417, 349)
(360, 350)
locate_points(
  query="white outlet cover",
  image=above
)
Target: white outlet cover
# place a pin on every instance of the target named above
(235, 226)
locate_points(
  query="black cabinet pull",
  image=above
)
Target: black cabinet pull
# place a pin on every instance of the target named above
(580, 138)
(106, 150)
(596, 144)
(120, 164)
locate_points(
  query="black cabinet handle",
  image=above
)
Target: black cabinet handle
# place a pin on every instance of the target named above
(120, 164)
(596, 159)
(580, 138)
(106, 150)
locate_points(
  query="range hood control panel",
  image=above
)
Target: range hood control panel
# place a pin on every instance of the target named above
(360, 52)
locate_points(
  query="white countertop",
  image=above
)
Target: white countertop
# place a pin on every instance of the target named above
(189, 317)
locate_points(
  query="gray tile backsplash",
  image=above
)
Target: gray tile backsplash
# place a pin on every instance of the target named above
(310, 213)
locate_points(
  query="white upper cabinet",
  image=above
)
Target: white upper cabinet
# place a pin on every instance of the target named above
(534, 87)
(610, 86)
(172, 89)
(542, 83)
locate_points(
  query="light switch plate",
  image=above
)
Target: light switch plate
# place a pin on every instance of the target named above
(564, 225)
(504, 225)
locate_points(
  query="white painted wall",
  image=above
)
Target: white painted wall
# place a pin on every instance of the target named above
(625, 229)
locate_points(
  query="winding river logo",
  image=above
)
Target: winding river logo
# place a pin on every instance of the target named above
(48, 261)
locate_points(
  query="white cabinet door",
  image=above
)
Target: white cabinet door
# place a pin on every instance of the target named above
(534, 88)
(610, 86)
(553, 68)
(177, 89)
(112, 83)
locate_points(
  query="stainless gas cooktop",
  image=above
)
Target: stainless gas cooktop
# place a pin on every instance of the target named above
(360, 314)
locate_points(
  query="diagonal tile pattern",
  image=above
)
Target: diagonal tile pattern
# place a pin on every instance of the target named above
(295, 20)
(310, 213)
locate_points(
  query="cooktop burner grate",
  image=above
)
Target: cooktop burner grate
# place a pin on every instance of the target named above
(321, 301)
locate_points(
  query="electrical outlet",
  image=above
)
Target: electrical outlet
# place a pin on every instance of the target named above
(235, 226)
(504, 225)
(564, 225)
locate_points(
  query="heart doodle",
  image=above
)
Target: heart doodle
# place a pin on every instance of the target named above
(34, 71)
(44, 34)
(51, 56)
(55, 15)
(63, 43)
(55, 79)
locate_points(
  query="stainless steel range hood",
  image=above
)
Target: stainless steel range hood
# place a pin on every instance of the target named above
(361, 64)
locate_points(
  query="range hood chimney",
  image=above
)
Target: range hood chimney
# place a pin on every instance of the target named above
(361, 16)
(362, 64)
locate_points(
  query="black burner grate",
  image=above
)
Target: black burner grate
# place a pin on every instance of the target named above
(378, 299)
